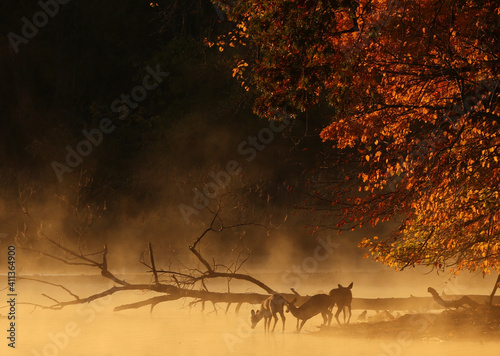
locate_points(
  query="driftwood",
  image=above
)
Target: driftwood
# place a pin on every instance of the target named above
(417, 304)
(452, 303)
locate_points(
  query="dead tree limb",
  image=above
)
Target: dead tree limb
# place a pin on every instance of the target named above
(103, 266)
(52, 284)
(452, 303)
(153, 266)
(210, 271)
(183, 284)
(295, 292)
(152, 302)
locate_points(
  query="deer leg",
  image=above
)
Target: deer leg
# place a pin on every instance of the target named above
(297, 328)
(349, 319)
(329, 317)
(283, 318)
(325, 318)
(330, 313)
(337, 315)
(275, 321)
(302, 324)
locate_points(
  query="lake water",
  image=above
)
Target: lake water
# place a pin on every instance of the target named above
(175, 329)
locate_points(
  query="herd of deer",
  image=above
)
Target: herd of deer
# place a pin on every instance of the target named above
(317, 304)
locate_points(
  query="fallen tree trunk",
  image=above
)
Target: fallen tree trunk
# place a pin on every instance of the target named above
(457, 303)
(412, 303)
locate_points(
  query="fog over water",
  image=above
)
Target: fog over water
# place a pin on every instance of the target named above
(287, 258)
(175, 328)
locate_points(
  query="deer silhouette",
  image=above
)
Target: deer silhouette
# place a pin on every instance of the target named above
(319, 303)
(342, 296)
(269, 308)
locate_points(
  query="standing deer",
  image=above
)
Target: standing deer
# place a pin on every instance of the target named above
(318, 303)
(342, 296)
(269, 308)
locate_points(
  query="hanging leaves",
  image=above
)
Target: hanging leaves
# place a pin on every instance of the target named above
(414, 88)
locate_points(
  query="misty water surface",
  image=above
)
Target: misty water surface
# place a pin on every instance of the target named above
(174, 328)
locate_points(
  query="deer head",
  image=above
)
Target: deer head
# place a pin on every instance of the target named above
(255, 318)
(292, 303)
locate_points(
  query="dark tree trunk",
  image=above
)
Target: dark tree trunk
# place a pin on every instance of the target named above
(497, 284)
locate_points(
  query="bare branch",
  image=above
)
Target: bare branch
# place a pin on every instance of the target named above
(53, 299)
(52, 284)
(152, 259)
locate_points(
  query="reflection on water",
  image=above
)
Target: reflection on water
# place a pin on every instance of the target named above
(173, 329)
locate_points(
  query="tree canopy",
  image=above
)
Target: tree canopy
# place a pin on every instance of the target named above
(413, 96)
